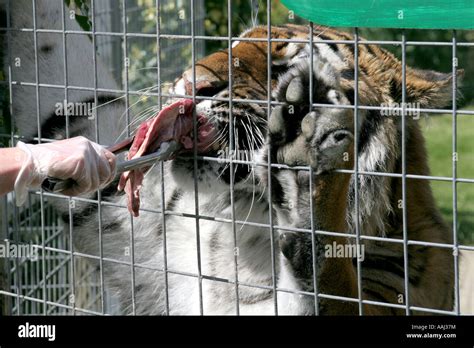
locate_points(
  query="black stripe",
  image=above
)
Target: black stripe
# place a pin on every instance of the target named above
(380, 298)
(386, 263)
(369, 128)
(370, 49)
(395, 90)
(349, 93)
(378, 282)
(330, 44)
(175, 196)
(171, 204)
(350, 48)
(348, 74)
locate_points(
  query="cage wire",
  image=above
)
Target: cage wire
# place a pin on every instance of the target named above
(52, 285)
(23, 225)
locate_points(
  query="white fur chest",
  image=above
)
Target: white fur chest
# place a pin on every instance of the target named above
(213, 252)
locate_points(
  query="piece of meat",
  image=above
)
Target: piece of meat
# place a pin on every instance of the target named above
(174, 122)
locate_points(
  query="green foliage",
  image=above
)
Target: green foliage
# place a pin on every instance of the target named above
(82, 16)
(216, 22)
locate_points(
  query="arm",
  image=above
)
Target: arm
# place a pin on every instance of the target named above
(11, 161)
(90, 165)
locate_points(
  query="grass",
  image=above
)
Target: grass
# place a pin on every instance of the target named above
(438, 132)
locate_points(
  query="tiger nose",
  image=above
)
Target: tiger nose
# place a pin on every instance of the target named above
(203, 86)
(188, 85)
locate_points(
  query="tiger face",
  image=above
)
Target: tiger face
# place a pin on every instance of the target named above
(211, 79)
(249, 93)
(379, 83)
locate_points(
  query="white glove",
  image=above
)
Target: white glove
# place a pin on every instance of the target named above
(90, 165)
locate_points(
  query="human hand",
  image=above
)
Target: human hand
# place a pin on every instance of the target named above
(90, 165)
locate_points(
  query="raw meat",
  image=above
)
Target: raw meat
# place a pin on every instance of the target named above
(174, 122)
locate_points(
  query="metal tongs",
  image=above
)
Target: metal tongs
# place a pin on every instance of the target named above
(164, 152)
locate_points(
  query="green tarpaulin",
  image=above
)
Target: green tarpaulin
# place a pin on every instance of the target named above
(415, 14)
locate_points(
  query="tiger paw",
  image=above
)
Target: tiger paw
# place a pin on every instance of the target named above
(321, 138)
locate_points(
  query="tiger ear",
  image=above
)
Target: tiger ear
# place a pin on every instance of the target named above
(429, 88)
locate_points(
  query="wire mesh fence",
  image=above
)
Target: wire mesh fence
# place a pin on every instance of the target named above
(62, 280)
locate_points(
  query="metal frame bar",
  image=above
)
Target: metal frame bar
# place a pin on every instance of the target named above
(195, 167)
(231, 162)
(455, 174)
(97, 139)
(70, 201)
(225, 38)
(162, 166)
(356, 166)
(38, 119)
(11, 136)
(127, 110)
(311, 176)
(249, 101)
(269, 167)
(404, 180)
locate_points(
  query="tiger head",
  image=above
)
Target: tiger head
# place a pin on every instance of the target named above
(379, 83)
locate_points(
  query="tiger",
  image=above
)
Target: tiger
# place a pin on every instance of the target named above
(219, 238)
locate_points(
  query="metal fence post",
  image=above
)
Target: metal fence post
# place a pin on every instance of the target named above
(5, 280)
